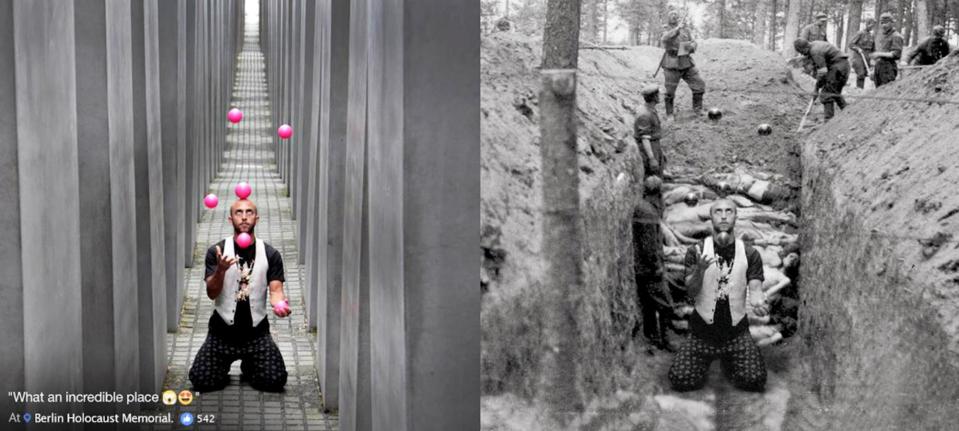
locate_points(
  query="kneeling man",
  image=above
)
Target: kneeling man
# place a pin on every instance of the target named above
(241, 280)
(722, 274)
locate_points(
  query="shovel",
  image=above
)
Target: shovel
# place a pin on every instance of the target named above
(808, 108)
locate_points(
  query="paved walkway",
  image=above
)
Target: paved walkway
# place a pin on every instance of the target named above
(250, 158)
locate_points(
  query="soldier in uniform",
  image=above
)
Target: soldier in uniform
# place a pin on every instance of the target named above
(863, 43)
(931, 49)
(655, 301)
(888, 51)
(831, 72)
(677, 64)
(816, 30)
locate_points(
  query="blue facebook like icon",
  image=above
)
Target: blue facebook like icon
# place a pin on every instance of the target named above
(186, 419)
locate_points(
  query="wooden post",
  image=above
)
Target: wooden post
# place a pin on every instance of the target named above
(561, 225)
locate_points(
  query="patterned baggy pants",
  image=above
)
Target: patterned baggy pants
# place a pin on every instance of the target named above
(741, 361)
(262, 364)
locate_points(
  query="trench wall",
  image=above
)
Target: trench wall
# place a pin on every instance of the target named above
(879, 321)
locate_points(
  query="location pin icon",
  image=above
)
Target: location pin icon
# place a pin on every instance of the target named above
(27, 417)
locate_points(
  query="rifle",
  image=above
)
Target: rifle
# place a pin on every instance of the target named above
(663, 58)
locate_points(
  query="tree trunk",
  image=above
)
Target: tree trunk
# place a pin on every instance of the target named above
(792, 27)
(592, 20)
(759, 31)
(880, 7)
(852, 24)
(901, 15)
(923, 25)
(561, 224)
(605, 21)
(773, 24)
(837, 21)
(908, 22)
(722, 18)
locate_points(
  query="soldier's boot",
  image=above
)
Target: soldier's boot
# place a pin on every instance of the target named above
(828, 110)
(668, 103)
(664, 324)
(698, 104)
(861, 82)
(841, 102)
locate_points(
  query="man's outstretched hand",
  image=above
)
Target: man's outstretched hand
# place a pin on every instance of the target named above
(223, 262)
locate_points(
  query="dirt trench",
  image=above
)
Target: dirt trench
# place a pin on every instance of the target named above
(880, 275)
(624, 387)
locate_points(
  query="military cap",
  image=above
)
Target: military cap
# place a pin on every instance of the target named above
(939, 31)
(886, 17)
(821, 15)
(649, 90)
(800, 45)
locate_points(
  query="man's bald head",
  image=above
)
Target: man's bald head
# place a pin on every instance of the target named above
(244, 203)
(723, 214)
(723, 203)
(243, 216)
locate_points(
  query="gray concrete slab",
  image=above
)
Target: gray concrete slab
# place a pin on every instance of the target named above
(424, 158)
(307, 144)
(47, 161)
(172, 116)
(296, 7)
(355, 398)
(192, 198)
(149, 156)
(334, 23)
(105, 138)
(11, 274)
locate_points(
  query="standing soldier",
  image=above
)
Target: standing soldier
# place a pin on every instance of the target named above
(863, 43)
(648, 257)
(816, 30)
(931, 49)
(831, 70)
(677, 64)
(888, 51)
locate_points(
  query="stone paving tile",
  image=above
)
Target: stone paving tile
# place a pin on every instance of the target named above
(249, 158)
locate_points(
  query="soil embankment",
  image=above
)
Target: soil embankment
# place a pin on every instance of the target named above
(880, 322)
(511, 272)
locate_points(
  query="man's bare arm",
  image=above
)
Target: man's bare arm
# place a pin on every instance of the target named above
(277, 297)
(694, 281)
(214, 283)
(276, 292)
(757, 298)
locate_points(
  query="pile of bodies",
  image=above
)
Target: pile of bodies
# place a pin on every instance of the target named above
(771, 232)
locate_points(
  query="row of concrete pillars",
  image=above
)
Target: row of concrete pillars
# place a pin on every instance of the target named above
(111, 118)
(384, 98)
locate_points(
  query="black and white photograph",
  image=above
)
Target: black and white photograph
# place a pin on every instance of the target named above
(719, 214)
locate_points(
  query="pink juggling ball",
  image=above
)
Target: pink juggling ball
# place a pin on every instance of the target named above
(285, 131)
(243, 190)
(210, 201)
(235, 115)
(244, 240)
